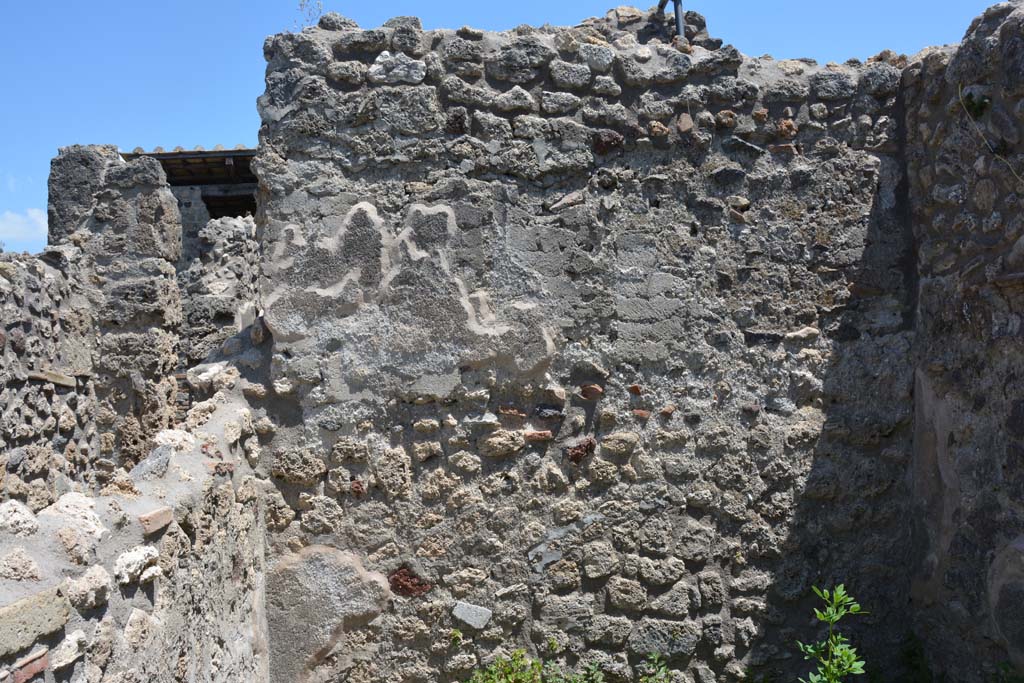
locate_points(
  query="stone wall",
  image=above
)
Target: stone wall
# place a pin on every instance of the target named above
(217, 275)
(160, 581)
(127, 224)
(577, 337)
(48, 432)
(965, 160)
(588, 341)
(218, 286)
(110, 572)
(164, 291)
(194, 216)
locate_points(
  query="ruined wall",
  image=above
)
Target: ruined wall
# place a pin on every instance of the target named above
(48, 432)
(217, 275)
(194, 216)
(965, 156)
(583, 340)
(219, 286)
(125, 219)
(595, 343)
(164, 290)
(160, 581)
(108, 572)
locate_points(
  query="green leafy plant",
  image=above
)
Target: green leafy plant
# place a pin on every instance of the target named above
(592, 674)
(835, 657)
(658, 670)
(455, 637)
(518, 668)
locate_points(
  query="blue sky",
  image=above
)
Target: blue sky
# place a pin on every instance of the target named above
(187, 72)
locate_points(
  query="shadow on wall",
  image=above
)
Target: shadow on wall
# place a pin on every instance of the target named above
(913, 498)
(966, 184)
(704, 547)
(852, 523)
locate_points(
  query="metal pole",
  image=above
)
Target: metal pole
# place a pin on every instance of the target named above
(678, 7)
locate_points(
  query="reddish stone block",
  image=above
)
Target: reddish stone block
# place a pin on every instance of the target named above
(584, 447)
(156, 520)
(27, 668)
(511, 410)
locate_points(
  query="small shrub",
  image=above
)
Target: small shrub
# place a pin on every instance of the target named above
(592, 674)
(515, 669)
(518, 668)
(836, 659)
(659, 670)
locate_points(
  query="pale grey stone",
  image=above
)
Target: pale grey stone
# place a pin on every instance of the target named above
(598, 57)
(310, 596)
(17, 519)
(472, 615)
(24, 621)
(568, 75)
(130, 564)
(70, 649)
(90, 590)
(396, 68)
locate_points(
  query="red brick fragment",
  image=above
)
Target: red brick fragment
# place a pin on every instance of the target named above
(221, 468)
(788, 129)
(538, 436)
(155, 520)
(511, 410)
(26, 668)
(581, 450)
(405, 582)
